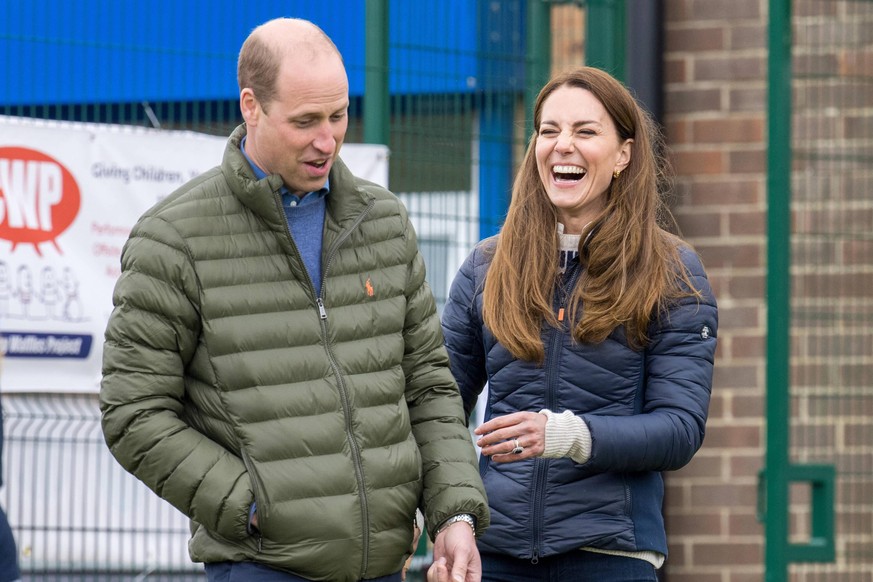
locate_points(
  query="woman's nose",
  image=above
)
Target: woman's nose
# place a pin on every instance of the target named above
(564, 142)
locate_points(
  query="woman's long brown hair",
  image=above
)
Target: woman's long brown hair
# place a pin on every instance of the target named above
(631, 263)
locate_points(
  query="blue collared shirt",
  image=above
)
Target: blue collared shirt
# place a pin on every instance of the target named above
(289, 200)
(305, 217)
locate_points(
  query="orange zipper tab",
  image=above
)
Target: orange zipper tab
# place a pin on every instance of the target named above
(561, 314)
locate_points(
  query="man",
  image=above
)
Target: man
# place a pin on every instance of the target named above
(274, 365)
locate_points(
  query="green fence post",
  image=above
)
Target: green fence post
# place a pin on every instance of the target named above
(778, 291)
(376, 95)
(606, 36)
(539, 60)
(821, 479)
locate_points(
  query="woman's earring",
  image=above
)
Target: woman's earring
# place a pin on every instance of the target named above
(616, 173)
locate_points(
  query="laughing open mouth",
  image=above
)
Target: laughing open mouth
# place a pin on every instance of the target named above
(568, 173)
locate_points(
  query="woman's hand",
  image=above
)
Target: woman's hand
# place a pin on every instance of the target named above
(514, 437)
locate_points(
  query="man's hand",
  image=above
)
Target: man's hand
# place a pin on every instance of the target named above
(456, 557)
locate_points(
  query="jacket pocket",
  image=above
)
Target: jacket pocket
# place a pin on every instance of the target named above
(262, 503)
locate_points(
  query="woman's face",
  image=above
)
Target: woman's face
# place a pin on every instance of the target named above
(577, 151)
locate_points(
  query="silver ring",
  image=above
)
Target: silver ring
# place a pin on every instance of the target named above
(518, 448)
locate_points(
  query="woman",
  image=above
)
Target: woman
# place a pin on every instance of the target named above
(595, 331)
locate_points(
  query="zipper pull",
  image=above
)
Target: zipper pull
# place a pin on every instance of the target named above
(321, 311)
(561, 314)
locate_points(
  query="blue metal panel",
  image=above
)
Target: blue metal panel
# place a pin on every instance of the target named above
(502, 44)
(495, 163)
(102, 51)
(433, 46)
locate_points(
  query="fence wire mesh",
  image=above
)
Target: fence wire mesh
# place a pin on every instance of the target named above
(455, 116)
(75, 511)
(832, 273)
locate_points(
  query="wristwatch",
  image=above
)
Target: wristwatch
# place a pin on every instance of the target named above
(465, 517)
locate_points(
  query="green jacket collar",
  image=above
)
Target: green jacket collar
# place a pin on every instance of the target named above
(347, 198)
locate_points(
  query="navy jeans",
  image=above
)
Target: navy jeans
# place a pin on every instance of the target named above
(576, 566)
(254, 572)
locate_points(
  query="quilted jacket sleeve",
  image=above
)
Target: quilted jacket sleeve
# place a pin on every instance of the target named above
(151, 335)
(463, 334)
(451, 476)
(677, 387)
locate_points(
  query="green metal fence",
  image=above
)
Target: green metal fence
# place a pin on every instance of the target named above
(818, 491)
(452, 158)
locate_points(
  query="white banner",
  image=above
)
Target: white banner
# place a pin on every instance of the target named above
(69, 195)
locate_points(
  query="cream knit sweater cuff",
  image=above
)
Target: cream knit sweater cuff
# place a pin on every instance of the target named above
(567, 435)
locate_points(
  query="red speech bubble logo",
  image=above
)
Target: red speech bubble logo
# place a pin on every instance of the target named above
(39, 198)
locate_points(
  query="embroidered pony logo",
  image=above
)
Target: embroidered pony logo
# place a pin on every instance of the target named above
(369, 287)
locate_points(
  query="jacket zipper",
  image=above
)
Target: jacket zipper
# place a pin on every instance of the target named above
(563, 293)
(540, 470)
(541, 466)
(343, 389)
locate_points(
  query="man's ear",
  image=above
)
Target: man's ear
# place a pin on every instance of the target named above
(249, 106)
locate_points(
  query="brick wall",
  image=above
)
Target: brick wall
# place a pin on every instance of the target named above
(716, 71)
(715, 123)
(832, 277)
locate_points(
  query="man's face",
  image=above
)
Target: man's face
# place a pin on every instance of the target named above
(298, 135)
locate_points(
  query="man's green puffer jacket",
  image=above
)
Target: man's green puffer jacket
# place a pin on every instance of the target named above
(227, 381)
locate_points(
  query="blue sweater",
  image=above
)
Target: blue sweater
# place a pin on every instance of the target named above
(305, 216)
(306, 221)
